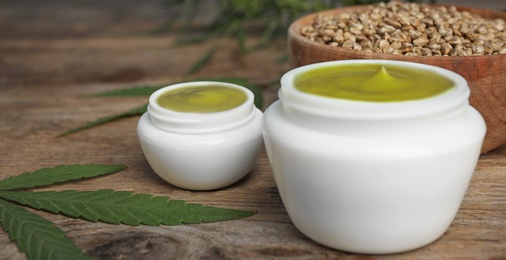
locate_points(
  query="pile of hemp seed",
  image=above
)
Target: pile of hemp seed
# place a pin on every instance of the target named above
(410, 29)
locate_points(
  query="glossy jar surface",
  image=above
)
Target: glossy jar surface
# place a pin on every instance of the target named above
(372, 177)
(201, 151)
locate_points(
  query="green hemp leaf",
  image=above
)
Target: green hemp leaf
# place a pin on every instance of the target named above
(35, 236)
(48, 176)
(122, 207)
(147, 91)
(133, 112)
(40, 239)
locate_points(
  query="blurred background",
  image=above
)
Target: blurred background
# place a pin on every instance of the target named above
(68, 41)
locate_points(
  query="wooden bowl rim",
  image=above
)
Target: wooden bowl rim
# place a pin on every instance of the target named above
(295, 26)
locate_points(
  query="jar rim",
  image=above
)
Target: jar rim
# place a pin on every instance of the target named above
(194, 122)
(293, 97)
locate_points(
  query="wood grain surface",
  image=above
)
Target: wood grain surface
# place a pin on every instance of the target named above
(54, 53)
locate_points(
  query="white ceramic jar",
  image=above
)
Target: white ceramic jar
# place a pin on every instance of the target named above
(201, 151)
(372, 177)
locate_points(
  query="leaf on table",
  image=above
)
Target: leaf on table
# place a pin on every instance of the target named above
(48, 176)
(123, 207)
(133, 112)
(35, 236)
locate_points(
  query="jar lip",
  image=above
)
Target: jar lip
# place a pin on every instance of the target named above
(194, 122)
(369, 109)
(155, 95)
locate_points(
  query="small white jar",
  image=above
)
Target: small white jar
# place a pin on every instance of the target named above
(201, 151)
(372, 177)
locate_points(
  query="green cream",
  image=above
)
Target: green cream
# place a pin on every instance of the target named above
(202, 99)
(372, 82)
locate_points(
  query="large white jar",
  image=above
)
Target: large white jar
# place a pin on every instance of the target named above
(372, 177)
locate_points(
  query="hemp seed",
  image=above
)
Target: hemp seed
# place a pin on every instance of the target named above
(410, 29)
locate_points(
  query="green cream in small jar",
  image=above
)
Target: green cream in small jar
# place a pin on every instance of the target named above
(372, 83)
(197, 99)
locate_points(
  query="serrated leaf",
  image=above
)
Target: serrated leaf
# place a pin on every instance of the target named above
(133, 112)
(123, 207)
(48, 176)
(35, 236)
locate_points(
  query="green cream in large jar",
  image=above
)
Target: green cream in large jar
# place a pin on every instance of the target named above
(202, 99)
(372, 83)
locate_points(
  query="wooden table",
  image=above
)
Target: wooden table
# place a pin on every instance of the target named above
(53, 54)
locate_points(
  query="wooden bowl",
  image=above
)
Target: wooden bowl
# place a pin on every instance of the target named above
(486, 74)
